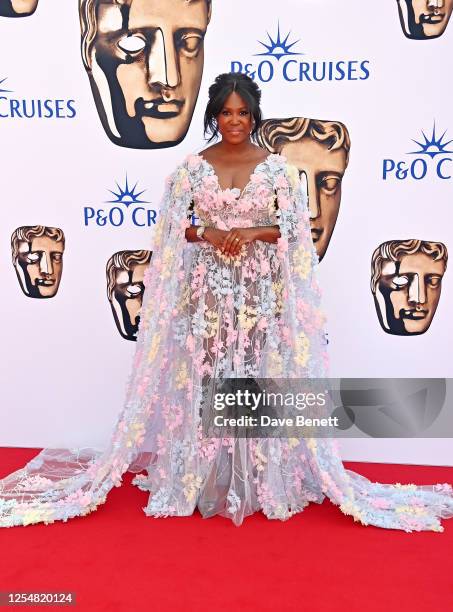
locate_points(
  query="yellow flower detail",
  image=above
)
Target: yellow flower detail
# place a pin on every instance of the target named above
(293, 175)
(182, 376)
(192, 485)
(167, 259)
(260, 459)
(349, 508)
(409, 487)
(410, 510)
(275, 364)
(177, 187)
(155, 342)
(277, 288)
(185, 298)
(247, 317)
(271, 207)
(302, 262)
(312, 444)
(212, 324)
(32, 516)
(302, 349)
(159, 229)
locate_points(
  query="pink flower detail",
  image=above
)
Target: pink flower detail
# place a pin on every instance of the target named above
(379, 502)
(262, 324)
(281, 182)
(147, 276)
(184, 224)
(229, 196)
(193, 161)
(244, 205)
(210, 182)
(79, 497)
(161, 445)
(265, 495)
(190, 343)
(264, 266)
(217, 347)
(257, 178)
(282, 247)
(283, 202)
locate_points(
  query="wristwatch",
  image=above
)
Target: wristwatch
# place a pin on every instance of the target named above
(200, 232)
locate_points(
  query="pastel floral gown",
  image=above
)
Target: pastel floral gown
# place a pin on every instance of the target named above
(205, 315)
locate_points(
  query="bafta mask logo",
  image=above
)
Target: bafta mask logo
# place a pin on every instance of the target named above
(320, 151)
(144, 59)
(17, 8)
(406, 279)
(423, 19)
(125, 289)
(37, 253)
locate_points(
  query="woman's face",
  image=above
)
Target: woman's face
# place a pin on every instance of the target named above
(235, 121)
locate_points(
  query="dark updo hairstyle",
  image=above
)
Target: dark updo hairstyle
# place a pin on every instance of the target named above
(223, 86)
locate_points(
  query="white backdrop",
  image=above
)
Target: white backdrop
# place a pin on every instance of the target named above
(64, 363)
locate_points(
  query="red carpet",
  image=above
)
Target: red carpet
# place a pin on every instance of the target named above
(118, 559)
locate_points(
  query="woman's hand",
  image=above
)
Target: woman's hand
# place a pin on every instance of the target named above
(215, 236)
(236, 238)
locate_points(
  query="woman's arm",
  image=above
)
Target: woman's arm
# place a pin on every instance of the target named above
(213, 235)
(238, 236)
(191, 234)
(266, 233)
(226, 240)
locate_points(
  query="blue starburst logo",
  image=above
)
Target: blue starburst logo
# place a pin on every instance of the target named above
(432, 146)
(1, 88)
(127, 196)
(278, 46)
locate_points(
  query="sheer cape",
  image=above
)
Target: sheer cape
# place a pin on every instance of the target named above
(205, 315)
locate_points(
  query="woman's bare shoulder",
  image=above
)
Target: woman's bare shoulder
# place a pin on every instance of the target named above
(261, 154)
(210, 152)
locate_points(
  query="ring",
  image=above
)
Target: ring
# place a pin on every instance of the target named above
(236, 239)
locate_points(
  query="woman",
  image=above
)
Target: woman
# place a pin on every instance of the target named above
(233, 298)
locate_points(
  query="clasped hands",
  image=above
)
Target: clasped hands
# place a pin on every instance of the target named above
(230, 242)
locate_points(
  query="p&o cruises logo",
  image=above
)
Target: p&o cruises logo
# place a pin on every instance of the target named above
(128, 212)
(432, 158)
(14, 107)
(280, 58)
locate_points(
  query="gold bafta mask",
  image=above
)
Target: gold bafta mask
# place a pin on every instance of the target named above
(17, 8)
(37, 253)
(144, 59)
(423, 19)
(125, 288)
(320, 151)
(406, 282)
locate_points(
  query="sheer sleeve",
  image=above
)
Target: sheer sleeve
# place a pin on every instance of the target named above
(61, 483)
(394, 506)
(303, 317)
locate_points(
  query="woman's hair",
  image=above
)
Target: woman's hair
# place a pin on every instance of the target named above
(223, 86)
